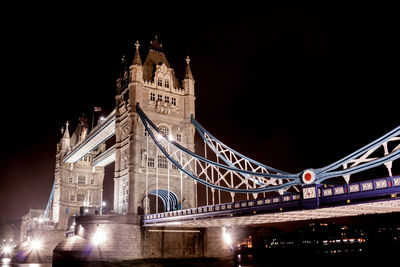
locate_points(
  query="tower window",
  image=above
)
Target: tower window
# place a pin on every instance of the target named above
(159, 82)
(152, 97)
(166, 99)
(80, 197)
(92, 182)
(179, 137)
(159, 97)
(150, 163)
(173, 101)
(163, 129)
(81, 179)
(167, 83)
(70, 180)
(72, 198)
(162, 162)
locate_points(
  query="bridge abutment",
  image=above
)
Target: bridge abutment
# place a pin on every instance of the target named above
(116, 238)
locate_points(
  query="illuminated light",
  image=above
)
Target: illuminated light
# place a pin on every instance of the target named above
(7, 249)
(102, 118)
(103, 204)
(36, 244)
(159, 136)
(5, 260)
(227, 237)
(86, 210)
(170, 138)
(98, 237)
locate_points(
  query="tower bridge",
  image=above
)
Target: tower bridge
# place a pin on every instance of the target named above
(158, 176)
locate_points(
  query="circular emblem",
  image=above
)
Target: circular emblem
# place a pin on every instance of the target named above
(308, 177)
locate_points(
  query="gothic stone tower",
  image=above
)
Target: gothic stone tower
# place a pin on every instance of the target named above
(169, 105)
(77, 184)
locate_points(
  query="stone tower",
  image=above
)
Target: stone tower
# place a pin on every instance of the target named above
(169, 104)
(78, 184)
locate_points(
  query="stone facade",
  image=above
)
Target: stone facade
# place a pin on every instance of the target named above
(154, 86)
(78, 184)
(125, 240)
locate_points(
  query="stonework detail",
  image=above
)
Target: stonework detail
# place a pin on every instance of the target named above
(170, 105)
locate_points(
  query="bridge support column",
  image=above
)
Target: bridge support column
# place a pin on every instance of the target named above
(115, 238)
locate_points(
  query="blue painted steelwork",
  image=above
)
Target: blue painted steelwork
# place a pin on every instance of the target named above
(146, 121)
(48, 206)
(327, 172)
(163, 194)
(325, 197)
(200, 129)
(321, 174)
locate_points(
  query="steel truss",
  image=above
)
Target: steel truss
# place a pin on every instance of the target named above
(236, 173)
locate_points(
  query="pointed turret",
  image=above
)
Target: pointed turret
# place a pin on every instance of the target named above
(188, 81)
(136, 68)
(65, 142)
(136, 59)
(188, 72)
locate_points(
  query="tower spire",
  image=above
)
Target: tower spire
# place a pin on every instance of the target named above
(66, 131)
(136, 59)
(188, 72)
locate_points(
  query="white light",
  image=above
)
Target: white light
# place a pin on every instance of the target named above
(36, 244)
(102, 118)
(7, 249)
(103, 204)
(227, 237)
(98, 237)
(159, 136)
(170, 138)
(86, 210)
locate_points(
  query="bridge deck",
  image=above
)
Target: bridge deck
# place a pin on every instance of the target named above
(369, 197)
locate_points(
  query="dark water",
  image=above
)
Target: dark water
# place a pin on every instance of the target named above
(245, 260)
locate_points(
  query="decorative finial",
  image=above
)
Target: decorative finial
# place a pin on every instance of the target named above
(65, 132)
(137, 44)
(188, 72)
(123, 59)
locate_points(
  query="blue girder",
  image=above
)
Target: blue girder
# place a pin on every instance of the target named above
(321, 174)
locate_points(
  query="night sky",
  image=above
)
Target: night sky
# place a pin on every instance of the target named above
(294, 86)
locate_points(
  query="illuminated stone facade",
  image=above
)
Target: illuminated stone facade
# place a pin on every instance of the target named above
(169, 105)
(78, 184)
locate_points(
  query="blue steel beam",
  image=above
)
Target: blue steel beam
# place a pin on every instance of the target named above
(362, 192)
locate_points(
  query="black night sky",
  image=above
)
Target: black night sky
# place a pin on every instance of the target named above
(294, 86)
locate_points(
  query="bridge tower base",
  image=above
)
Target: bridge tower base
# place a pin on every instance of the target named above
(116, 238)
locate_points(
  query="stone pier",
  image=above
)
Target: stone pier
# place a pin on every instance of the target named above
(116, 238)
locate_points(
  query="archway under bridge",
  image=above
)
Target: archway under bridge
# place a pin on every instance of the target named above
(161, 199)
